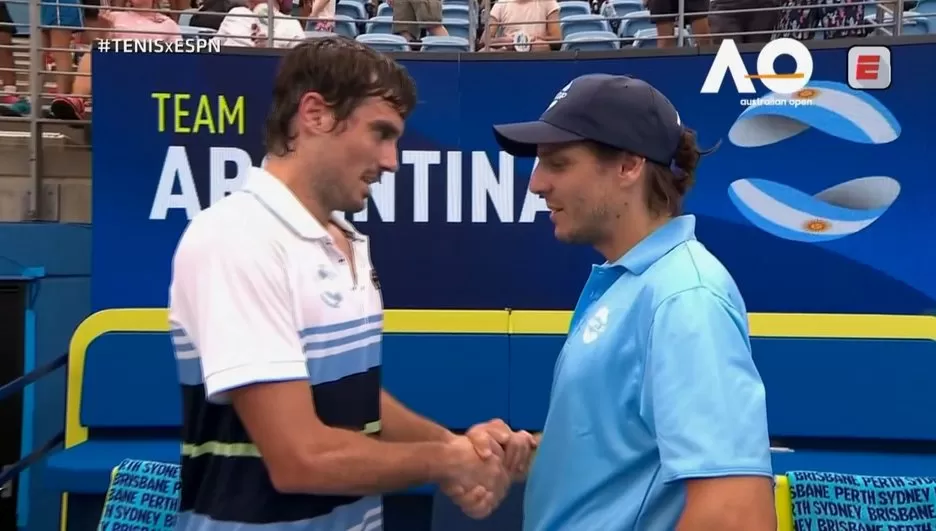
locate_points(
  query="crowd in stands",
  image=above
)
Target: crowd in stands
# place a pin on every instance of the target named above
(70, 27)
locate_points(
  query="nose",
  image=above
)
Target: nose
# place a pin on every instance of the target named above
(539, 184)
(389, 160)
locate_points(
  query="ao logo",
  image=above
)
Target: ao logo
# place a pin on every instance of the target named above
(596, 325)
(728, 59)
(563, 92)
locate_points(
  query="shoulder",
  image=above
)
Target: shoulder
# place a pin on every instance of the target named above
(690, 271)
(235, 230)
(549, 6)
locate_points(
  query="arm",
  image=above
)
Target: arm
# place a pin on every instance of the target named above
(553, 32)
(400, 424)
(231, 293)
(705, 400)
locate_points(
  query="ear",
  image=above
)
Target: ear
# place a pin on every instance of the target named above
(314, 116)
(631, 168)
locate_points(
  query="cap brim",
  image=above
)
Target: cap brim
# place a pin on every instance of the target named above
(521, 140)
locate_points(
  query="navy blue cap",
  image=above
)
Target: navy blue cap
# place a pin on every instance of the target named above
(619, 111)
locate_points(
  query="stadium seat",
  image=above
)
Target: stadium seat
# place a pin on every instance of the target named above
(574, 7)
(19, 14)
(917, 25)
(926, 7)
(456, 12)
(186, 17)
(457, 27)
(634, 22)
(380, 25)
(645, 38)
(196, 33)
(456, 2)
(591, 41)
(385, 42)
(312, 34)
(384, 10)
(625, 7)
(431, 43)
(351, 8)
(345, 26)
(576, 23)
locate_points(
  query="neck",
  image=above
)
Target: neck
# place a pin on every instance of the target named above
(628, 230)
(291, 172)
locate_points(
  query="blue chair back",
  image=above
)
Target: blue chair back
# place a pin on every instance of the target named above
(431, 43)
(351, 8)
(381, 25)
(634, 22)
(625, 7)
(645, 38)
(196, 33)
(574, 7)
(576, 23)
(345, 26)
(384, 10)
(591, 41)
(456, 12)
(142, 495)
(457, 28)
(385, 42)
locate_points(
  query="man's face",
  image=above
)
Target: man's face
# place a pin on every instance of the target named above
(583, 192)
(357, 152)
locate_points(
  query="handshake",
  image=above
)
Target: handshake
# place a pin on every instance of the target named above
(483, 463)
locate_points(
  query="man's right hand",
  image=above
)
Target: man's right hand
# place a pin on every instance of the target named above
(476, 485)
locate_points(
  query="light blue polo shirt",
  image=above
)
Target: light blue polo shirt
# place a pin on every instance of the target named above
(654, 385)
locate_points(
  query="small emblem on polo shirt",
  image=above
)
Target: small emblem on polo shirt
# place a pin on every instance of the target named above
(596, 325)
(332, 298)
(374, 279)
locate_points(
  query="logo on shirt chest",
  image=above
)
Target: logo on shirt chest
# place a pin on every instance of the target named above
(330, 296)
(596, 325)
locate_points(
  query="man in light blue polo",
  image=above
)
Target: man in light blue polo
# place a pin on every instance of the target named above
(657, 419)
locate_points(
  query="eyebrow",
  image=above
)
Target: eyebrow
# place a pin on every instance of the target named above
(388, 128)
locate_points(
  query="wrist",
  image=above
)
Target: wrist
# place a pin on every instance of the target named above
(442, 461)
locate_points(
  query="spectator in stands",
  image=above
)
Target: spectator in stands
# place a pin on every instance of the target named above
(123, 25)
(536, 20)
(741, 25)
(321, 14)
(10, 103)
(665, 13)
(60, 20)
(412, 17)
(212, 13)
(252, 30)
(839, 19)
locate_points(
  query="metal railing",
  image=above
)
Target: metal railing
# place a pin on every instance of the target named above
(11, 472)
(37, 62)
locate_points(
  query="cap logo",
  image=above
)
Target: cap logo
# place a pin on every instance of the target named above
(563, 92)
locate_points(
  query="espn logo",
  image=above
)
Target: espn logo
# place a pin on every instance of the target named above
(869, 67)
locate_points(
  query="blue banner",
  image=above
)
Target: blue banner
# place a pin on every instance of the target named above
(818, 208)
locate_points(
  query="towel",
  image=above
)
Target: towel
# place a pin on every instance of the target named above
(824, 501)
(142, 495)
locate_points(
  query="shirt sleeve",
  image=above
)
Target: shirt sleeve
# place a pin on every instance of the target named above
(550, 7)
(702, 393)
(232, 298)
(497, 11)
(234, 30)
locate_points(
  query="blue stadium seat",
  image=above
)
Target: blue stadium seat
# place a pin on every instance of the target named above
(645, 38)
(456, 12)
(186, 17)
(591, 41)
(19, 14)
(574, 7)
(927, 7)
(345, 26)
(625, 7)
(917, 25)
(380, 25)
(351, 8)
(196, 33)
(456, 2)
(385, 42)
(457, 27)
(634, 22)
(312, 34)
(576, 23)
(431, 43)
(384, 10)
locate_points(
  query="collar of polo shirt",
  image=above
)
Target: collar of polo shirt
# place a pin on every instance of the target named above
(280, 201)
(661, 241)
